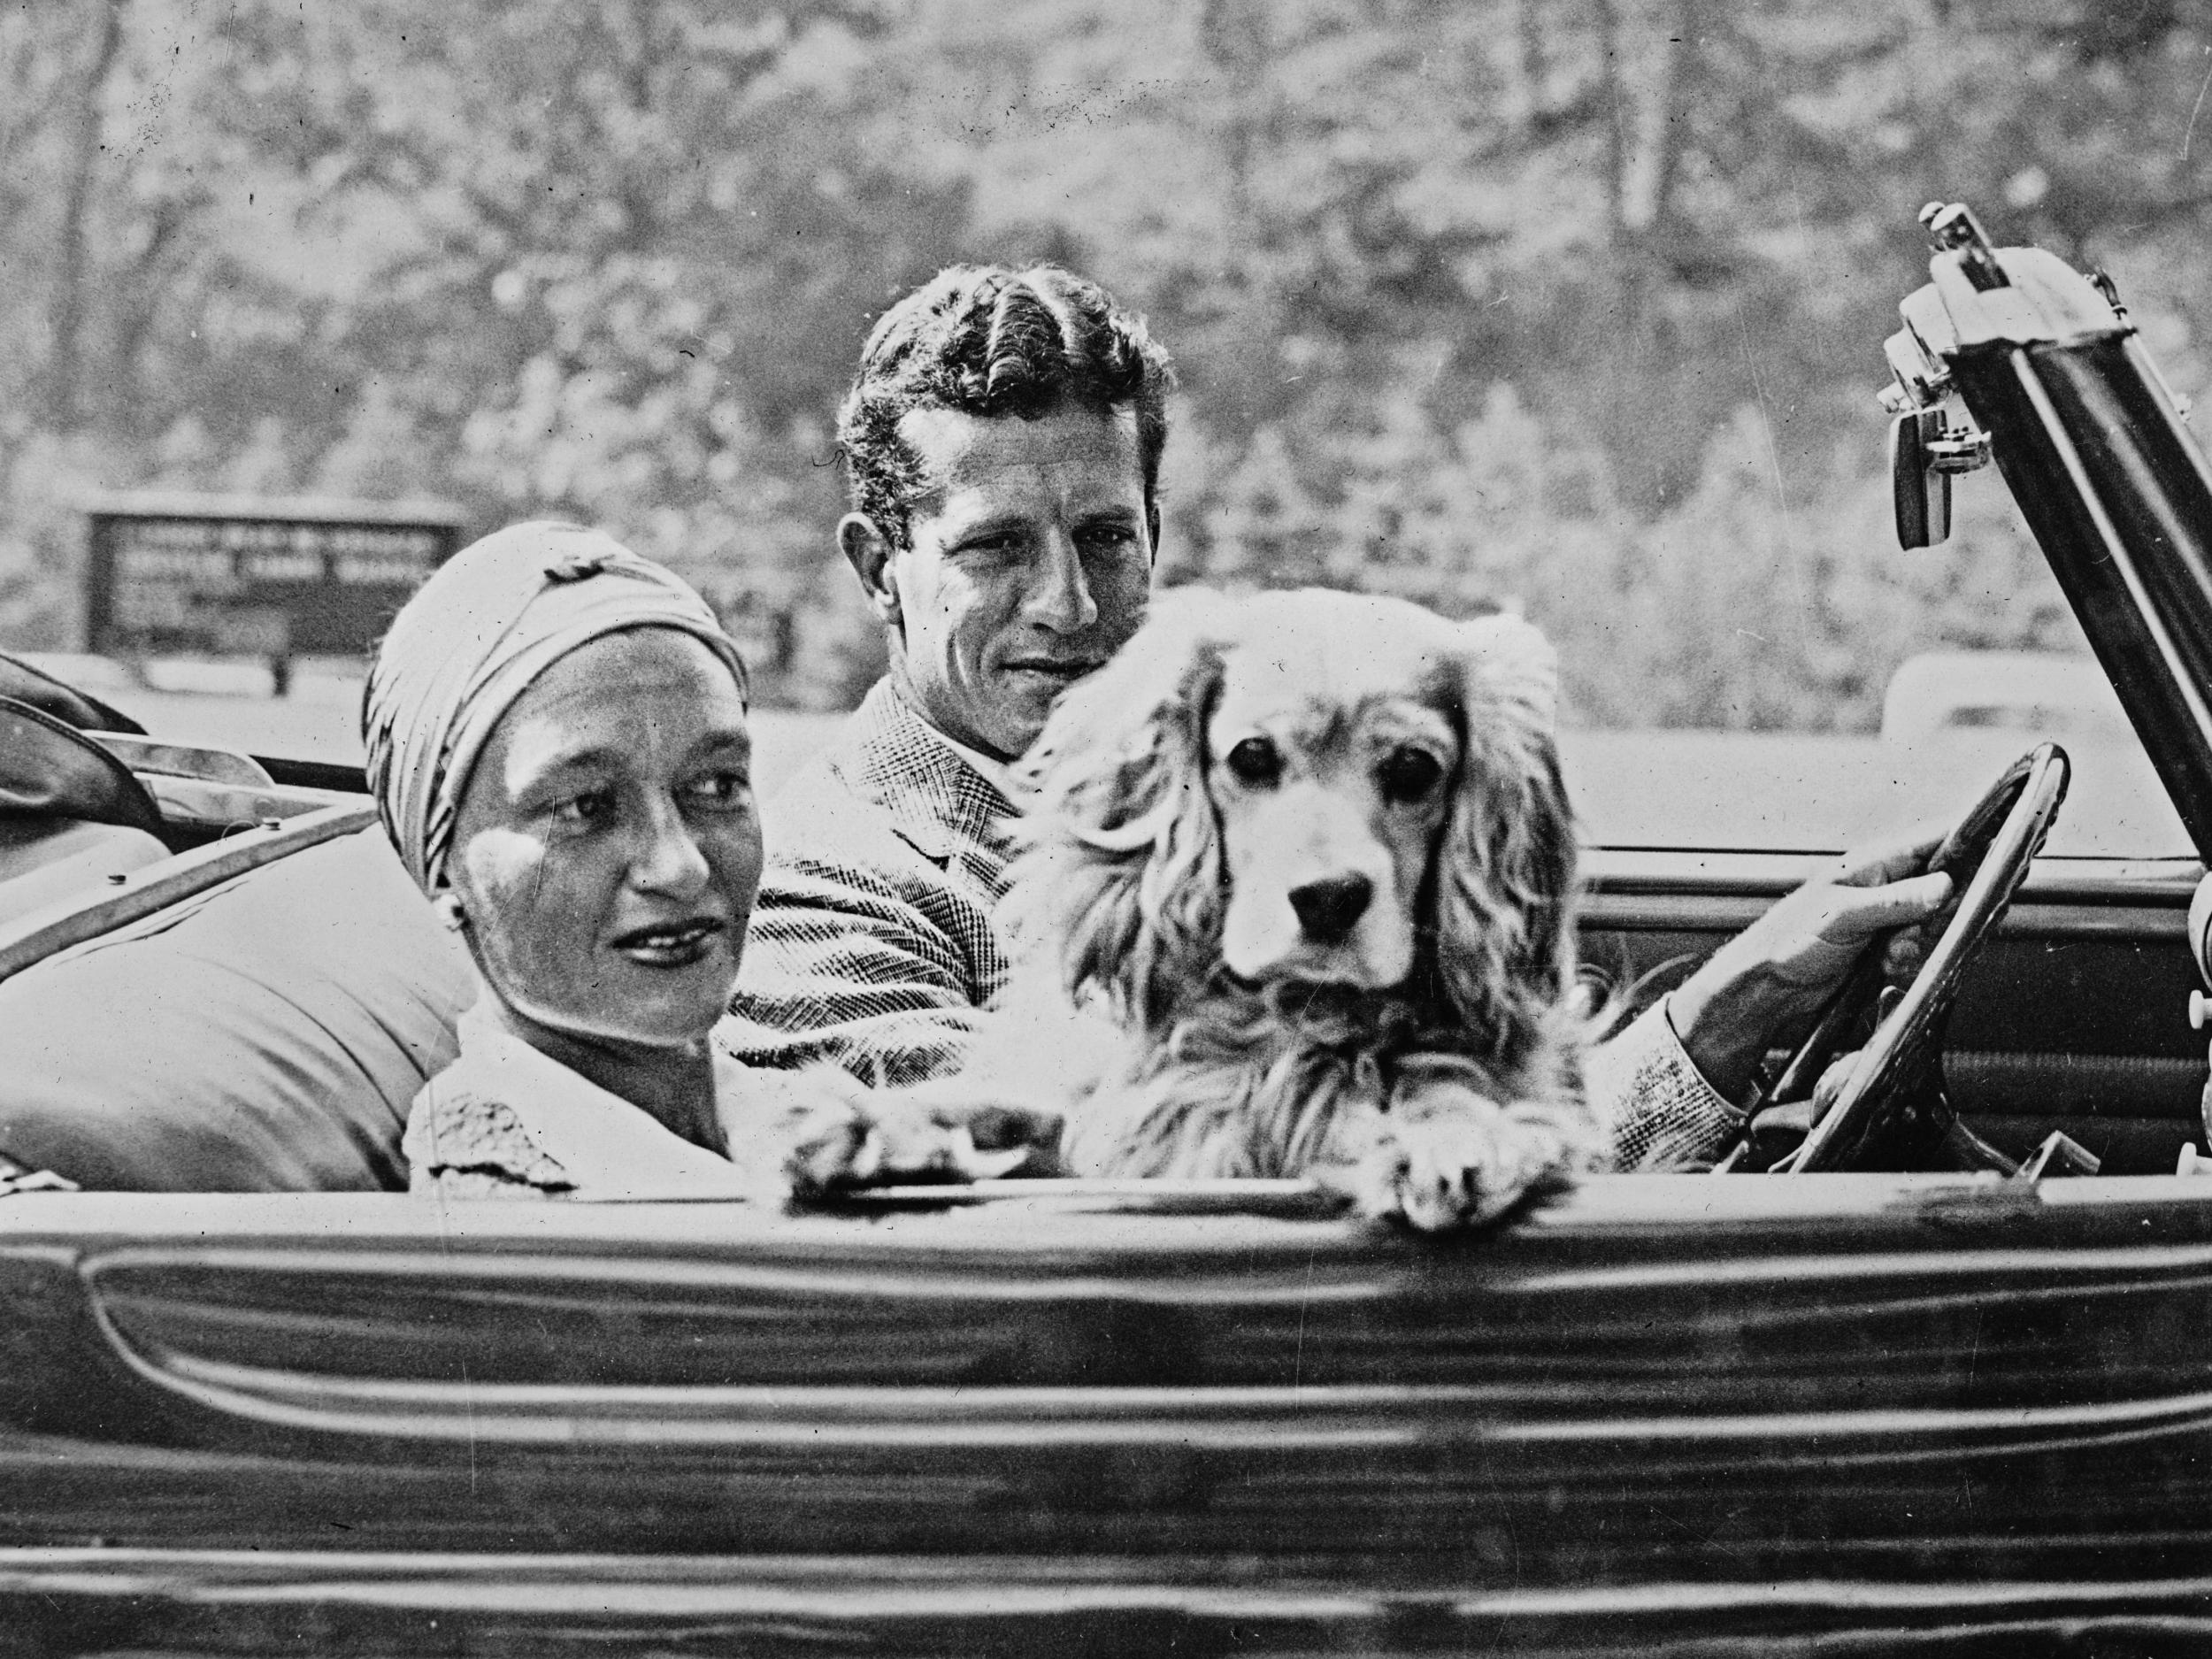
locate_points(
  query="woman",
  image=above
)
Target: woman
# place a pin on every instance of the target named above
(556, 739)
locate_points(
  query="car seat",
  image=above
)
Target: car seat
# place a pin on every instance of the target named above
(267, 1035)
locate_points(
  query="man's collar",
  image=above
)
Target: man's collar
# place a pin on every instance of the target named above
(998, 773)
(938, 797)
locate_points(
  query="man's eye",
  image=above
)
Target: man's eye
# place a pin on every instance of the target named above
(1255, 762)
(1410, 774)
(1108, 537)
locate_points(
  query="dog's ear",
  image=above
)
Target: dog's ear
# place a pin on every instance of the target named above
(1505, 873)
(1123, 872)
(1515, 663)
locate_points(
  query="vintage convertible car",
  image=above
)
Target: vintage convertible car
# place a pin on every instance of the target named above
(1929, 1387)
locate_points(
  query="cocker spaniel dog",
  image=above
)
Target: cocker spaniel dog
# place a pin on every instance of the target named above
(1296, 899)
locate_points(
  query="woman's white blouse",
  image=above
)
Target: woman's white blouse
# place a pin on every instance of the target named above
(505, 1121)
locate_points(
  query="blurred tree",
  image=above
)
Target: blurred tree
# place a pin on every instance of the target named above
(354, 248)
(656, 247)
(1568, 304)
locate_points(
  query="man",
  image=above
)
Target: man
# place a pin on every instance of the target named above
(1002, 440)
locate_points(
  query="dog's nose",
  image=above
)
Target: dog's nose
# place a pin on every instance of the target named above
(1328, 910)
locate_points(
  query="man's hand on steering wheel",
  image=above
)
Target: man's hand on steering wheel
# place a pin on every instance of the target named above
(1900, 964)
(1765, 987)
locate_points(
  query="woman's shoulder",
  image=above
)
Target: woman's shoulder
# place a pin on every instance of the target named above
(465, 1141)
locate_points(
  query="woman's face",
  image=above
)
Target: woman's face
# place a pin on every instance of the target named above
(606, 850)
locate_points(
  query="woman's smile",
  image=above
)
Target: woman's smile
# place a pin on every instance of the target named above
(678, 944)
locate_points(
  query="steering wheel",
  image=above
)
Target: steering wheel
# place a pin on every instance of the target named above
(1987, 857)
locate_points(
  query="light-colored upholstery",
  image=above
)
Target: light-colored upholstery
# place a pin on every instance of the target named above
(267, 1035)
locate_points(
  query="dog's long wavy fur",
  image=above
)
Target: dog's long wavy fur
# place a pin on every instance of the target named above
(1116, 907)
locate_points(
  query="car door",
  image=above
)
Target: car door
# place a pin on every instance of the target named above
(1663, 1409)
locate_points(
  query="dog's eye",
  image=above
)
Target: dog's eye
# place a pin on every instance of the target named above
(1256, 762)
(1410, 774)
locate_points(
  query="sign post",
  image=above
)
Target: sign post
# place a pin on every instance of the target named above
(255, 576)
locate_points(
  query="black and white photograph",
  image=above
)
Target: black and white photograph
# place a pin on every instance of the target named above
(931, 829)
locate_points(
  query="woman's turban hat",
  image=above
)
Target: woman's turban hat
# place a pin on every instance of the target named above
(471, 641)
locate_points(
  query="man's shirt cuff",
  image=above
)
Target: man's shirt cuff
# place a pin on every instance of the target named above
(1663, 1113)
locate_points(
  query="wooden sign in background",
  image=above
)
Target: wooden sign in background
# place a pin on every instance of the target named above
(273, 577)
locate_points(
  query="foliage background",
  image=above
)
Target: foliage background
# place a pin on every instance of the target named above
(1572, 305)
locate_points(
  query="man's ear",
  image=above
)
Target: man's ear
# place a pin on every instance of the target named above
(868, 550)
(1152, 531)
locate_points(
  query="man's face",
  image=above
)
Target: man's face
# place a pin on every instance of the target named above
(1029, 564)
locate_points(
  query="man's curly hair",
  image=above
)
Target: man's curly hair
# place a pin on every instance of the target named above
(988, 340)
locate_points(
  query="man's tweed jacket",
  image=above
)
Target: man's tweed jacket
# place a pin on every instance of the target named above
(871, 941)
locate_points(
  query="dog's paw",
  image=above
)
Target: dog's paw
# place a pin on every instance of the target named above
(1434, 1175)
(821, 1132)
(1457, 1168)
(824, 1149)
(846, 1135)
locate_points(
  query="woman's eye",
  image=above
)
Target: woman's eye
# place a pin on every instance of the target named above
(1255, 762)
(586, 808)
(722, 790)
(1410, 774)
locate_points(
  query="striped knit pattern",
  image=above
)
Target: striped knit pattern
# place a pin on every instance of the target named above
(871, 941)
